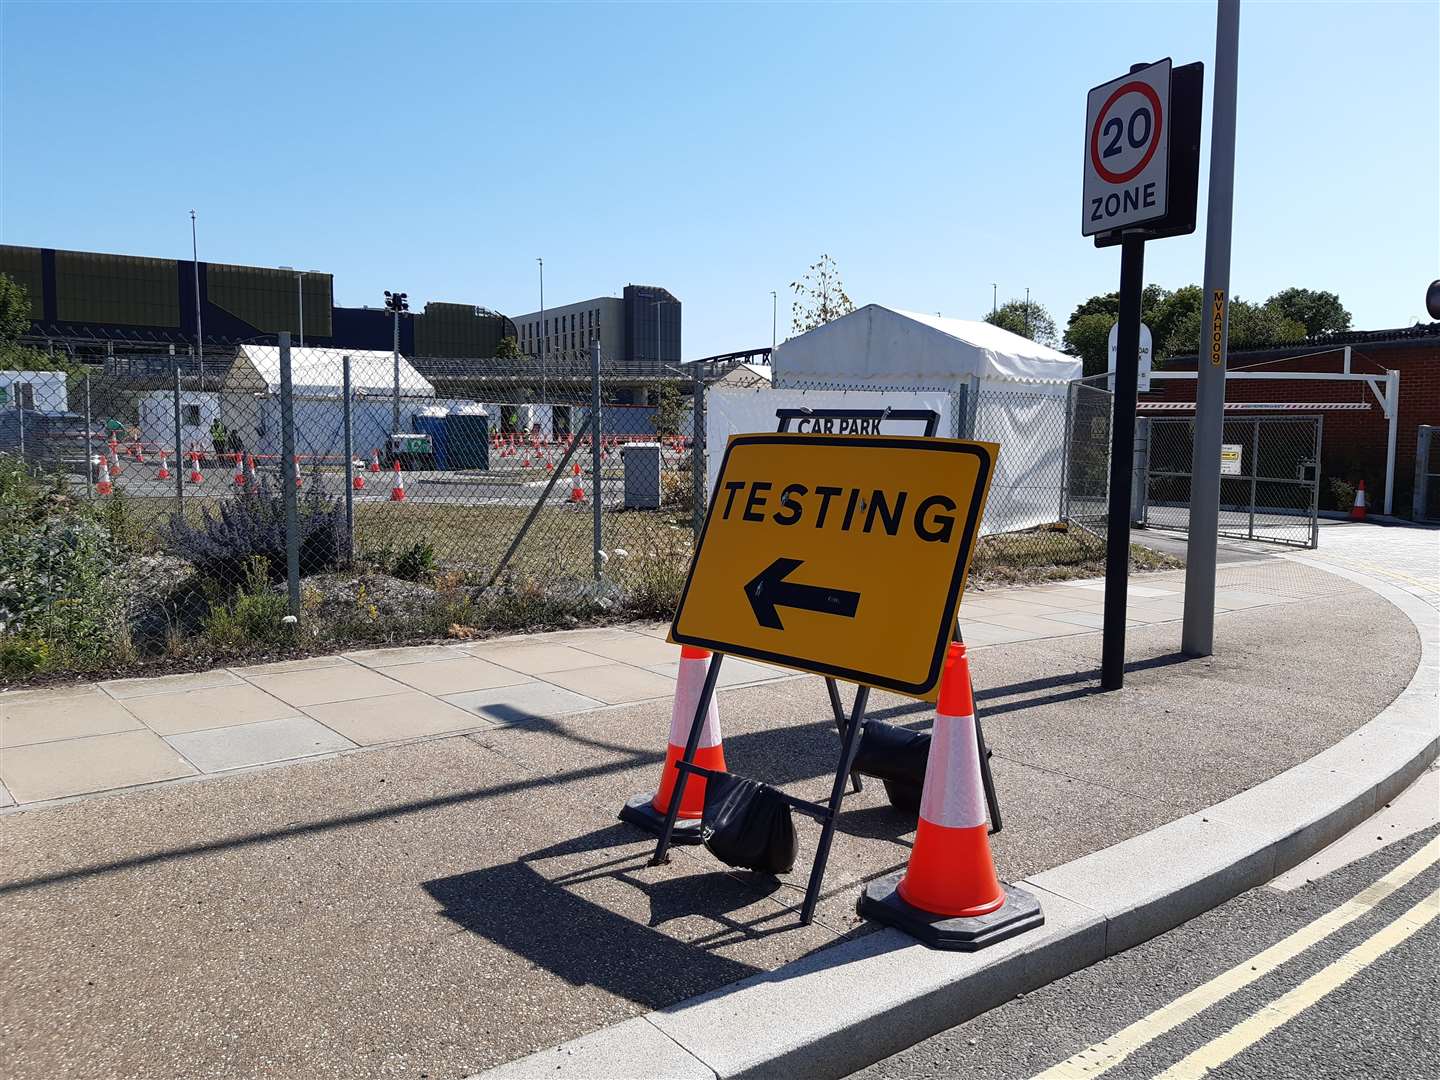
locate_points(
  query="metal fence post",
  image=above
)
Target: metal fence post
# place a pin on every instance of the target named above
(597, 483)
(179, 469)
(1067, 442)
(287, 476)
(699, 462)
(1254, 471)
(89, 445)
(349, 463)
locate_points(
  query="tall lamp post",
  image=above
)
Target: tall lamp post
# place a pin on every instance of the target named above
(773, 309)
(544, 335)
(396, 303)
(199, 332)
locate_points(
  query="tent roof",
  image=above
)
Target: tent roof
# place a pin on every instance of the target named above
(319, 371)
(888, 346)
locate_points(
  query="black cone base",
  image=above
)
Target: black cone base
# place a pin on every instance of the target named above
(639, 811)
(881, 901)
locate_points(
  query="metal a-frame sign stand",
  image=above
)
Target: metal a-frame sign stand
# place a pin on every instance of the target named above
(834, 603)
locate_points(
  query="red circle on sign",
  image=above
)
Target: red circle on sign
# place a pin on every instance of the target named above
(1130, 174)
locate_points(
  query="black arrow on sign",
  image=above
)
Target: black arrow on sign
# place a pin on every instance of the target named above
(769, 590)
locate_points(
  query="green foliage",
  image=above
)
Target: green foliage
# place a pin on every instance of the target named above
(1319, 312)
(1088, 337)
(415, 563)
(820, 296)
(59, 597)
(1029, 319)
(14, 310)
(669, 408)
(253, 617)
(508, 349)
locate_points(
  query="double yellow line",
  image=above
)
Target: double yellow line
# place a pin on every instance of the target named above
(1104, 1056)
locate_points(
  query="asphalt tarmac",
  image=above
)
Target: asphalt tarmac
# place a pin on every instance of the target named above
(1313, 1022)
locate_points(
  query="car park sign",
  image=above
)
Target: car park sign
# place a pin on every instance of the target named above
(1127, 150)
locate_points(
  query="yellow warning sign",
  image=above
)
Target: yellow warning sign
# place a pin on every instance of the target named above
(839, 555)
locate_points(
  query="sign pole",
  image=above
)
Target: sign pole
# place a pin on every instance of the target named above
(1197, 632)
(1122, 461)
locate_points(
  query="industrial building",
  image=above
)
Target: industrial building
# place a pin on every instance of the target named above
(639, 330)
(89, 301)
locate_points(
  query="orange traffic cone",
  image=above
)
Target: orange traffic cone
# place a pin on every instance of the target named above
(163, 473)
(1357, 512)
(114, 457)
(103, 486)
(577, 492)
(397, 489)
(299, 481)
(196, 477)
(239, 471)
(648, 810)
(359, 482)
(252, 480)
(375, 461)
(949, 896)
(575, 469)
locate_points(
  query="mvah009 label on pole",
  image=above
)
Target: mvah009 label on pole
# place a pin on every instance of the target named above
(1127, 150)
(839, 555)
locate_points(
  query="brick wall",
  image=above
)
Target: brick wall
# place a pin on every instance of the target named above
(1353, 443)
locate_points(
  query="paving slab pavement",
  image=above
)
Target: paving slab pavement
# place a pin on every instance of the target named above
(444, 905)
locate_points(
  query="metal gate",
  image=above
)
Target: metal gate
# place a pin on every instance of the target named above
(1269, 477)
(1426, 503)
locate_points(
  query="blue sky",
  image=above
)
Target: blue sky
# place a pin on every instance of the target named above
(713, 149)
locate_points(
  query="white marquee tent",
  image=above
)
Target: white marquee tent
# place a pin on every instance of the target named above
(1004, 388)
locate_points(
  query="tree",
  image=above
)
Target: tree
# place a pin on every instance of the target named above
(1252, 326)
(508, 349)
(14, 310)
(819, 297)
(1028, 318)
(1088, 337)
(669, 408)
(1319, 312)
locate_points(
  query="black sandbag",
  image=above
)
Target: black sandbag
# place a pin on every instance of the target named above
(893, 754)
(746, 823)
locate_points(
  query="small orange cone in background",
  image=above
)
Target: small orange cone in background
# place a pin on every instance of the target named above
(103, 485)
(163, 473)
(252, 481)
(577, 492)
(575, 469)
(239, 471)
(648, 810)
(949, 896)
(1357, 512)
(359, 482)
(375, 461)
(196, 477)
(114, 457)
(299, 481)
(397, 489)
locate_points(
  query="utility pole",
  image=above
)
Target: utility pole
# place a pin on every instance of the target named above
(199, 332)
(396, 302)
(1027, 311)
(544, 337)
(994, 297)
(300, 298)
(1197, 631)
(773, 317)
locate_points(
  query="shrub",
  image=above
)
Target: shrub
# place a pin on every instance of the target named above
(255, 616)
(251, 526)
(416, 562)
(1342, 493)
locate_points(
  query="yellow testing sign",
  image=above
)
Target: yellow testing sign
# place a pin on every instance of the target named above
(842, 555)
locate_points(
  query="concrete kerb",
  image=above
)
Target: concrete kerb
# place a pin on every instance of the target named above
(850, 1005)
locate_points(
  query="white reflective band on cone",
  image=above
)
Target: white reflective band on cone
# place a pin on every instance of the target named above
(688, 684)
(953, 796)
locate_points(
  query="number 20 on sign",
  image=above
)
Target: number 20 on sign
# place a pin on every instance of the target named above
(840, 555)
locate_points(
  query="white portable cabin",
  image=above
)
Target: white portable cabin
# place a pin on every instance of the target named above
(34, 391)
(198, 412)
(250, 399)
(1004, 388)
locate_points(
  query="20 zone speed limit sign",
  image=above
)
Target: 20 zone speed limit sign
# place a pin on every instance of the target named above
(1127, 150)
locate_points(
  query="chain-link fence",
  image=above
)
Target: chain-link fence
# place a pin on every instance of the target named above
(347, 497)
(1269, 477)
